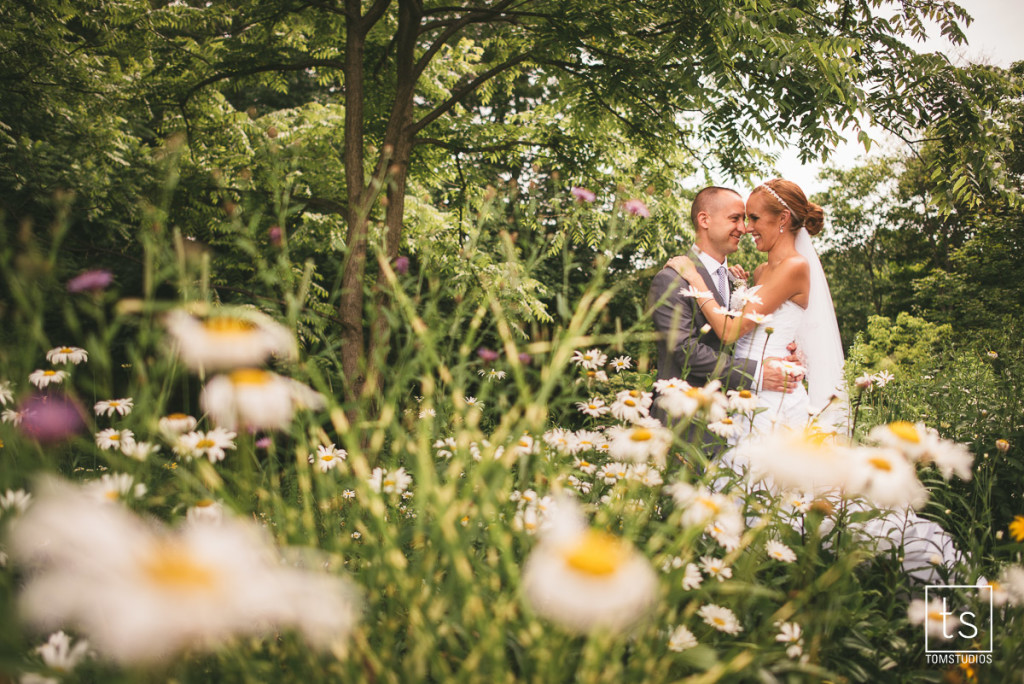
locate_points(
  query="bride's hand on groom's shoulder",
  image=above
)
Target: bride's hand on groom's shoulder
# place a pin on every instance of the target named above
(680, 264)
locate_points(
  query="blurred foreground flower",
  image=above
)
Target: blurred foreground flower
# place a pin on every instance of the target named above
(91, 281)
(582, 194)
(51, 418)
(636, 207)
(256, 399)
(6, 395)
(141, 592)
(584, 579)
(225, 341)
(922, 444)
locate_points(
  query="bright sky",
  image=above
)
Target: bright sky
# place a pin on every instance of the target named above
(993, 38)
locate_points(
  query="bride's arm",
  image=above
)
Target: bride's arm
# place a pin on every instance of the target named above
(789, 278)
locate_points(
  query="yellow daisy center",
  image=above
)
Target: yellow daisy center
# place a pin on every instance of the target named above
(880, 464)
(709, 504)
(597, 553)
(634, 393)
(204, 503)
(177, 416)
(115, 437)
(727, 421)
(629, 402)
(66, 350)
(327, 457)
(718, 621)
(111, 494)
(223, 325)
(905, 431)
(205, 443)
(745, 394)
(641, 435)
(250, 376)
(173, 567)
(389, 483)
(49, 373)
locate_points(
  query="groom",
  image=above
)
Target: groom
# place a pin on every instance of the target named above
(685, 349)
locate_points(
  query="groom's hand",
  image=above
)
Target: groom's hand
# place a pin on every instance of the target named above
(796, 354)
(778, 377)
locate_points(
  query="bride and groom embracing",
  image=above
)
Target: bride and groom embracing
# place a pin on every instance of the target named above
(698, 315)
(789, 304)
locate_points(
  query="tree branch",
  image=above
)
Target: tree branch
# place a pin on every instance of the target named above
(262, 68)
(508, 144)
(458, 95)
(473, 17)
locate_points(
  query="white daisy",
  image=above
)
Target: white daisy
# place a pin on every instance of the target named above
(692, 578)
(589, 440)
(491, 374)
(669, 384)
(58, 653)
(120, 406)
(640, 444)
(140, 451)
(940, 621)
(594, 407)
(580, 485)
(646, 475)
(584, 465)
(42, 378)
(212, 444)
(256, 399)
(591, 359)
(115, 439)
(445, 447)
(758, 318)
(631, 406)
(473, 401)
(716, 568)
(176, 424)
(11, 416)
(791, 635)
(72, 355)
(587, 580)
(708, 402)
(524, 446)
(721, 618)
(865, 381)
(236, 339)
(429, 412)
(610, 473)
(726, 427)
(6, 394)
(779, 551)
(886, 478)
(593, 376)
(205, 511)
(114, 487)
(621, 363)
(16, 500)
(807, 461)
(328, 456)
(154, 592)
(560, 439)
(742, 400)
(348, 494)
(681, 639)
(389, 481)
(744, 295)
(726, 530)
(924, 445)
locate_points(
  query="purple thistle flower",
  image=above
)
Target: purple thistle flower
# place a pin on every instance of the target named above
(276, 235)
(582, 194)
(401, 265)
(636, 207)
(51, 418)
(263, 443)
(91, 281)
(525, 358)
(487, 355)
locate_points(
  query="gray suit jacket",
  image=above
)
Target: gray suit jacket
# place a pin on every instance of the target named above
(683, 352)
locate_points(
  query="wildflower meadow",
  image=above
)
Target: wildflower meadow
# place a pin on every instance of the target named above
(325, 351)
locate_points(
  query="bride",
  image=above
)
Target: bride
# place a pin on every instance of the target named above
(791, 288)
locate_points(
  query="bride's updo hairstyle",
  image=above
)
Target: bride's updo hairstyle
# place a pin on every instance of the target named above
(785, 195)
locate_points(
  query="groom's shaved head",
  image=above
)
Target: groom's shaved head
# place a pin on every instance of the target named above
(708, 199)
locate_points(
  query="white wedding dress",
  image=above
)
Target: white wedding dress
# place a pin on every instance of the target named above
(780, 407)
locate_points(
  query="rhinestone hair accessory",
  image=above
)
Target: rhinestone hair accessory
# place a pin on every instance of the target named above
(776, 196)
